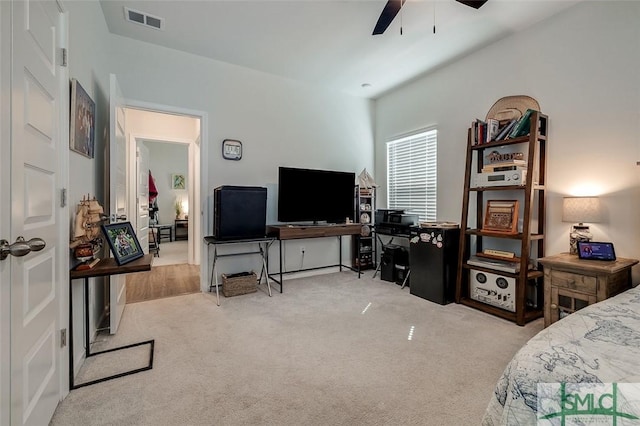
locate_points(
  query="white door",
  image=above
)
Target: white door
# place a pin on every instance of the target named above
(142, 197)
(117, 192)
(5, 211)
(31, 165)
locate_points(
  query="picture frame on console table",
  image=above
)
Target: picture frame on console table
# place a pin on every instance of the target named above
(501, 216)
(123, 242)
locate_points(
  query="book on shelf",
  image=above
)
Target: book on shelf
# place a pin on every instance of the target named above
(492, 127)
(523, 125)
(504, 131)
(87, 265)
(514, 259)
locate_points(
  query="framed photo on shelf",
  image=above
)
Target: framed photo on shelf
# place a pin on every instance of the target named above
(501, 216)
(83, 121)
(178, 181)
(123, 242)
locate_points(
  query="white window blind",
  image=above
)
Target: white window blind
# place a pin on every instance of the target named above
(412, 173)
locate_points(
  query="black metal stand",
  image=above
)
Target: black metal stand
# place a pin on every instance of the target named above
(339, 264)
(263, 250)
(109, 270)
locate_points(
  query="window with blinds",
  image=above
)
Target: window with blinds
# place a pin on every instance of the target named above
(411, 174)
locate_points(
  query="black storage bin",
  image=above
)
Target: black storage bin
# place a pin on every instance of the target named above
(433, 257)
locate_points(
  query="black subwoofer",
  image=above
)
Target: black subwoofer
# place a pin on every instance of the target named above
(239, 212)
(393, 256)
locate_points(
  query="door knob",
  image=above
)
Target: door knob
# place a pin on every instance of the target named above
(20, 247)
(115, 217)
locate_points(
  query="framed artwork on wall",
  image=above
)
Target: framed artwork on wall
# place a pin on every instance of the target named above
(123, 242)
(83, 121)
(178, 181)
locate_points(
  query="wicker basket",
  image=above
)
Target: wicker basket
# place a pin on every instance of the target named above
(237, 284)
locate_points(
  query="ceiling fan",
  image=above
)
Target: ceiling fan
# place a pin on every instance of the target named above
(392, 8)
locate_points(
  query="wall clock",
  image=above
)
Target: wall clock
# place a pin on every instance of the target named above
(231, 149)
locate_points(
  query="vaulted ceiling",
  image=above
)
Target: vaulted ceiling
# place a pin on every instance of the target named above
(328, 43)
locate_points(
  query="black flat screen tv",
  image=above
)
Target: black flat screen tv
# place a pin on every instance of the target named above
(319, 196)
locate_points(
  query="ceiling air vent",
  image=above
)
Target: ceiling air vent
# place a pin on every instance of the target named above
(142, 18)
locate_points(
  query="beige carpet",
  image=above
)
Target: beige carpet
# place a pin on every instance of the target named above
(331, 350)
(171, 253)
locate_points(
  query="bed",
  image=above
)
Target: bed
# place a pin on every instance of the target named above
(597, 344)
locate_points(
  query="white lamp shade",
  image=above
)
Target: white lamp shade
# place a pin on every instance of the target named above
(581, 209)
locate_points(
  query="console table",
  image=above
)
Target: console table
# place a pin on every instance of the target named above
(106, 267)
(295, 232)
(263, 245)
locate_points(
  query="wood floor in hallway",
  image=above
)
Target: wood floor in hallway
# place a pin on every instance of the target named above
(163, 281)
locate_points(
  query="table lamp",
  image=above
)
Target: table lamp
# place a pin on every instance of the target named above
(580, 210)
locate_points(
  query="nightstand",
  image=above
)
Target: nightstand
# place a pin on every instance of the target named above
(571, 284)
(181, 229)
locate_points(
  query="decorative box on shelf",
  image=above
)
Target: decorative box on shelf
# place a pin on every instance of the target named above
(240, 283)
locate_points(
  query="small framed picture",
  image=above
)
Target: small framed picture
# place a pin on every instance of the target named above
(178, 181)
(83, 121)
(501, 216)
(123, 242)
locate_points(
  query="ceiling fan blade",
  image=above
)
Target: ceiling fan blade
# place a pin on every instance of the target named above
(389, 12)
(476, 4)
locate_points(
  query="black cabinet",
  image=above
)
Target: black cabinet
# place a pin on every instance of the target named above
(181, 229)
(433, 256)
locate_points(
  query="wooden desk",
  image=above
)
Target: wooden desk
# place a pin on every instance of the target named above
(571, 283)
(296, 232)
(106, 267)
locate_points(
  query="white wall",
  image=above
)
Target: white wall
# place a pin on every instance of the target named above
(581, 66)
(166, 159)
(280, 123)
(88, 37)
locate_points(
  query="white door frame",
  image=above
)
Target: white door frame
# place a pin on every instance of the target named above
(200, 213)
(193, 158)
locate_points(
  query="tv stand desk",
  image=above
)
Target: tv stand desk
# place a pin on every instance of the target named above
(297, 232)
(106, 267)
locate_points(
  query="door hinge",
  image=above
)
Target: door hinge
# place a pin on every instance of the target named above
(63, 197)
(63, 56)
(63, 337)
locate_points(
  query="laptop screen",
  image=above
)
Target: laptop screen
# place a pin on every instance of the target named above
(596, 250)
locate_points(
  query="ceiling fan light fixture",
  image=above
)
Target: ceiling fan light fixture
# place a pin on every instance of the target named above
(476, 4)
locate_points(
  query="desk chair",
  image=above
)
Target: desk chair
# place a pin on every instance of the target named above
(164, 231)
